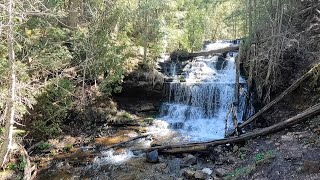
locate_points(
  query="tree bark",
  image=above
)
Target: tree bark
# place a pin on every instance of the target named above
(8, 135)
(73, 16)
(145, 34)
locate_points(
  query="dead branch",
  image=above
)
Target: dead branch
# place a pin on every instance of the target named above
(307, 9)
(281, 96)
(196, 147)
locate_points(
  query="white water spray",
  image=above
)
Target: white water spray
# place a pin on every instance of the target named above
(200, 98)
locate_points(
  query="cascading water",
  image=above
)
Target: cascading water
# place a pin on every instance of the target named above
(200, 98)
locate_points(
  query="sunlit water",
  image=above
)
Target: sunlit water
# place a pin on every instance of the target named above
(200, 98)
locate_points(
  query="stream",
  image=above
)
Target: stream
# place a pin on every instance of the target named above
(199, 96)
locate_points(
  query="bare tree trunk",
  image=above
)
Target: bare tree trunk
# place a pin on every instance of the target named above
(73, 16)
(145, 45)
(8, 135)
(249, 48)
(251, 62)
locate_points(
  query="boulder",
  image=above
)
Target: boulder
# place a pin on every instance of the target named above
(220, 172)
(162, 167)
(188, 173)
(152, 156)
(174, 166)
(311, 166)
(200, 175)
(207, 171)
(189, 160)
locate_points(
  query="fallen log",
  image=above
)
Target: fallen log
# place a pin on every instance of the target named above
(124, 124)
(30, 172)
(281, 96)
(207, 53)
(196, 147)
(186, 56)
(124, 142)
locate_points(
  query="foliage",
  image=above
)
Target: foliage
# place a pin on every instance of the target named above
(126, 115)
(52, 107)
(43, 145)
(18, 166)
(67, 148)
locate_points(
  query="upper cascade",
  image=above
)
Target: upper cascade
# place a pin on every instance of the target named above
(200, 96)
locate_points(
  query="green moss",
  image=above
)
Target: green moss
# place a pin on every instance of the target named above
(19, 132)
(263, 156)
(67, 148)
(43, 146)
(148, 120)
(240, 172)
(11, 166)
(126, 115)
(258, 159)
(182, 79)
(19, 166)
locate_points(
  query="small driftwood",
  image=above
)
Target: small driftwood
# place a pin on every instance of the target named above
(197, 147)
(281, 96)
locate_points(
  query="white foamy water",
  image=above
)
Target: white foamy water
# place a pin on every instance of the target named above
(198, 105)
(218, 45)
(112, 157)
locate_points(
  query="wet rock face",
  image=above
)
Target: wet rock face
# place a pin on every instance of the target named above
(152, 156)
(141, 92)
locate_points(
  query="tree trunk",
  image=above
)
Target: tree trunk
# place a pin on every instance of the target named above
(73, 16)
(145, 36)
(8, 135)
(248, 58)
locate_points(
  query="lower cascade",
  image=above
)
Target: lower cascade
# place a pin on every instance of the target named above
(201, 96)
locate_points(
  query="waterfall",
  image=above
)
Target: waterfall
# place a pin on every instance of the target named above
(199, 99)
